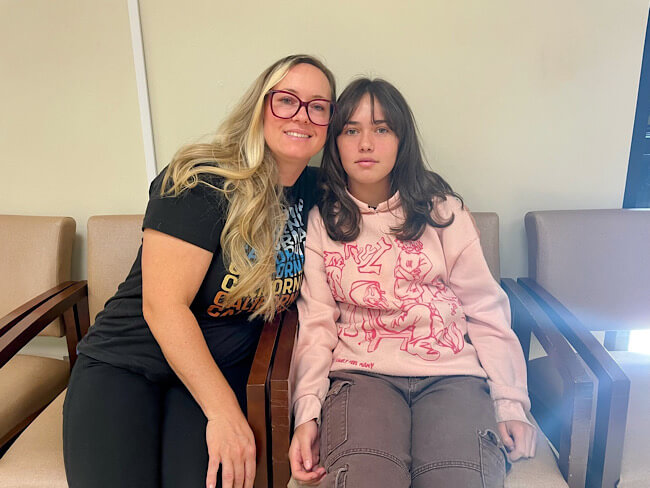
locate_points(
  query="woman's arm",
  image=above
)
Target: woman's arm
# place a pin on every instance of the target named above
(172, 272)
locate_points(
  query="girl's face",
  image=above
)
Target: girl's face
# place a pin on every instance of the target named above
(294, 141)
(368, 150)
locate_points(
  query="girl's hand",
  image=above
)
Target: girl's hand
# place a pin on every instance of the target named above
(303, 454)
(230, 444)
(519, 438)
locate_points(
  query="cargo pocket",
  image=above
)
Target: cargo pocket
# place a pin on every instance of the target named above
(334, 431)
(493, 459)
(341, 477)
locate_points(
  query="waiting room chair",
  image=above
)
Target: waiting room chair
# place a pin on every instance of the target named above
(35, 262)
(573, 397)
(590, 271)
(36, 458)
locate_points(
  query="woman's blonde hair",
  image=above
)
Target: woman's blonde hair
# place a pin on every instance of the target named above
(256, 205)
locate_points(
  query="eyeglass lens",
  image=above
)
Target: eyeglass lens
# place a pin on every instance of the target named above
(285, 105)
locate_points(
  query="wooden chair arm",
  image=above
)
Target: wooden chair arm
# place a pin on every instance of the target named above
(68, 302)
(268, 398)
(280, 399)
(257, 398)
(9, 320)
(577, 391)
(613, 388)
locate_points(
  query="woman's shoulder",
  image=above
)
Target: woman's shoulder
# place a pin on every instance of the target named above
(195, 215)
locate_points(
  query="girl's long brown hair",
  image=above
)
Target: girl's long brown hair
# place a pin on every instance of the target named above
(418, 187)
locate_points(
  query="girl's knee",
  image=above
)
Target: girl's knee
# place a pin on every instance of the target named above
(481, 465)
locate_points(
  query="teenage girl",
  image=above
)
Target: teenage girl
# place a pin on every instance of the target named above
(405, 362)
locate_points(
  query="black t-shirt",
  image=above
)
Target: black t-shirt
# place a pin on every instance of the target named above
(120, 335)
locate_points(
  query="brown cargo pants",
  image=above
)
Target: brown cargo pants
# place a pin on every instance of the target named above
(386, 431)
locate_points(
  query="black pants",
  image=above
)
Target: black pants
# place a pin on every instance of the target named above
(122, 430)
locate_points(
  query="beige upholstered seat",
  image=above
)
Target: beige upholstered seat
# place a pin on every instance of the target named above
(35, 255)
(590, 269)
(33, 382)
(36, 458)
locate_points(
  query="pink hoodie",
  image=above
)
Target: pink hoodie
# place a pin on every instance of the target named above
(404, 309)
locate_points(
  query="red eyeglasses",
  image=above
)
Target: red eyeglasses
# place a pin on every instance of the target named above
(285, 105)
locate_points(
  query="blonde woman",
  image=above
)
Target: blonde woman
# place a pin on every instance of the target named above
(157, 395)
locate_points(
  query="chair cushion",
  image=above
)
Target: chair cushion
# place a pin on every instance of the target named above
(35, 460)
(539, 472)
(27, 384)
(635, 471)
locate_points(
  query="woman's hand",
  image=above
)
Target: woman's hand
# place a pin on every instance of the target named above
(519, 438)
(230, 444)
(303, 454)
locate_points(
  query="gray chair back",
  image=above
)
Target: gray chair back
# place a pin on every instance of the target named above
(596, 262)
(488, 227)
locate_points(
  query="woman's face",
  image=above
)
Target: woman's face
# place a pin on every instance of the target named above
(294, 141)
(368, 150)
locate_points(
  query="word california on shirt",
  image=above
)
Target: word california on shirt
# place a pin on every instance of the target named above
(289, 262)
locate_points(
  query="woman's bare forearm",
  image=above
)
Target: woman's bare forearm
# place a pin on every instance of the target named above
(182, 342)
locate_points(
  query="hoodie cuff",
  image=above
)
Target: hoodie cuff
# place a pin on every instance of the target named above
(306, 408)
(510, 410)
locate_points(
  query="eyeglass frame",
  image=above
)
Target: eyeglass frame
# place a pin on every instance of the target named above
(302, 104)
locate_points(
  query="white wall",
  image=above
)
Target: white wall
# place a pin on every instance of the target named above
(70, 139)
(522, 105)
